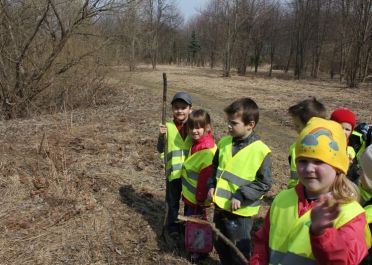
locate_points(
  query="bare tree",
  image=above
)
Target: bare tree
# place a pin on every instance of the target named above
(36, 36)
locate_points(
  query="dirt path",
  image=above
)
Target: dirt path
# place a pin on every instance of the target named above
(87, 187)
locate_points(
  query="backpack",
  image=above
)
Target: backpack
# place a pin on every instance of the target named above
(361, 137)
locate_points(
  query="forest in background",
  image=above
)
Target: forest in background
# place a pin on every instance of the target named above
(54, 53)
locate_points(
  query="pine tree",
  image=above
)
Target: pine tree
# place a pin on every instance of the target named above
(194, 47)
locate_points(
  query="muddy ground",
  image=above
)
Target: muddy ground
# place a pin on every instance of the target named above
(87, 186)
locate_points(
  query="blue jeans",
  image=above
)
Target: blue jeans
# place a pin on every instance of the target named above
(238, 229)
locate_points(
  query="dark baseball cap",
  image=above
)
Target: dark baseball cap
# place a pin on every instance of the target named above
(182, 96)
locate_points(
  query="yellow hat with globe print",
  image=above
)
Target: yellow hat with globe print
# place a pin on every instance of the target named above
(323, 140)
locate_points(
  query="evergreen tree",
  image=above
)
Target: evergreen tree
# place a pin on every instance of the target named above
(194, 46)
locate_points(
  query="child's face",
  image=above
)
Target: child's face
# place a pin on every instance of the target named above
(236, 126)
(315, 175)
(181, 111)
(196, 133)
(298, 124)
(347, 129)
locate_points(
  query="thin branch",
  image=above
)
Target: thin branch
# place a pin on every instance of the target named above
(63, 31)
(218, 233)
(77, 60)
(25, 48)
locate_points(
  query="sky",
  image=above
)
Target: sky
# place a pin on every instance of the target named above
(190, 7)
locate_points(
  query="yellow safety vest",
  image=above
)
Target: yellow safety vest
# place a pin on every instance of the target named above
(191, 169)
(176, 151)
(368, 209)
(351, 152)
(366, 196)
(362, 141)
(289, 240)
(238, 170)
(293, 178)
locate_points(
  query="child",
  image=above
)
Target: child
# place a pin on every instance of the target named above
(320, 221)
(174, 142)
(346, 118)
(301, 113)
(365, 186)
(197, 167)
(365, 189)
(241, 176)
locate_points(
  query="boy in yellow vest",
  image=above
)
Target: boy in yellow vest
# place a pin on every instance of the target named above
(241, 176)
(174, 143)
(301, 113)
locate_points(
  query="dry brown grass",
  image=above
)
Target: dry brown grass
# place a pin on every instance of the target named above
(93, 191)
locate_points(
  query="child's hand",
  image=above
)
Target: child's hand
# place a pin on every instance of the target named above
(235, 204)
(322, 215)
(162, 129)
(210, 194)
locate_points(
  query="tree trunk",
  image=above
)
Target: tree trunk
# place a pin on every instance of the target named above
(272, 53)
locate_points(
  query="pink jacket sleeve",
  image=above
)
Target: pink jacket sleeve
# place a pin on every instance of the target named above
(260, 253)
(343, 246)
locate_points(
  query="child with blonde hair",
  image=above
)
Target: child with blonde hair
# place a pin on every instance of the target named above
(320, 220)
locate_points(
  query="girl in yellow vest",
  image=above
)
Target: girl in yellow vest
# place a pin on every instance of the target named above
(197, 167)
(173, 145)
(320, 221)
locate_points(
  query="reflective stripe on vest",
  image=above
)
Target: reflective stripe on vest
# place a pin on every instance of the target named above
(238, 170)
(177, 150)
(191, 169)
(351, 152)
(365, 195)
(362, 143)
(289, 240)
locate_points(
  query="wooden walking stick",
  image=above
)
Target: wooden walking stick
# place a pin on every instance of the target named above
(163, 122)
(217, 232)
(164, 112)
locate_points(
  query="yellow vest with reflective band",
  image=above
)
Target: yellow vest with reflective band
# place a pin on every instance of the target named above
(351, 152)
(289, 236)
(362, 141)
(365, 195)
(368, 209)
(293, 179)
(191, 169)
(238, 170)
(176, 151)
